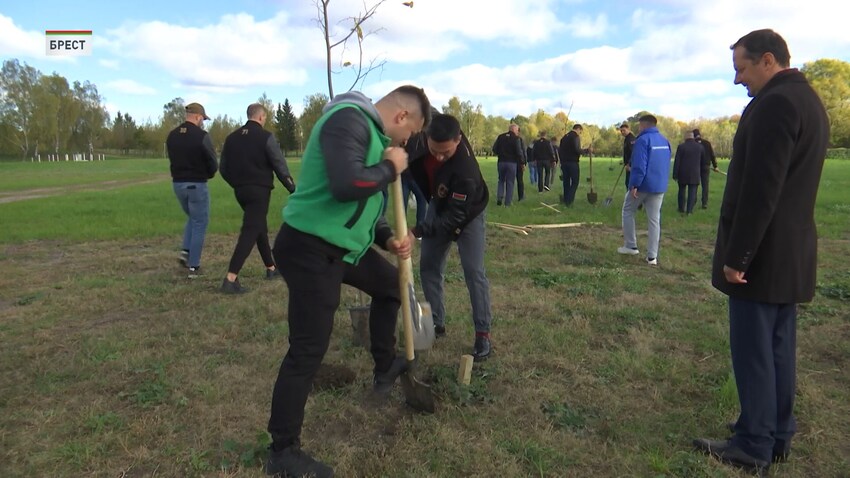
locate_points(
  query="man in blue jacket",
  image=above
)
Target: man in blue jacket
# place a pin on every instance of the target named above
(650, 164)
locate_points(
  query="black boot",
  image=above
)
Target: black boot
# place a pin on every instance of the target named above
(481, 350)
(384, 381)
(292, 462)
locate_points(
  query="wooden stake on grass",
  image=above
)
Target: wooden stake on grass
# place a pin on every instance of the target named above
(464, 372)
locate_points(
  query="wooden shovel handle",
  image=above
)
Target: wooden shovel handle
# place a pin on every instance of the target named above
(405, 268)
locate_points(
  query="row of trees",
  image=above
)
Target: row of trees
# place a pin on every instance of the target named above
(46, 114)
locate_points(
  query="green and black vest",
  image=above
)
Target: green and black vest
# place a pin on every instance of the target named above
(313, 210)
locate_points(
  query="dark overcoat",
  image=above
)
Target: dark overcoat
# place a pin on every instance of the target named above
(767, 227)
(690, 156)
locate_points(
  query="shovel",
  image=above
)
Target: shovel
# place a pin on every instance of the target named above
(610, 197)
(591, 196)
(417, 394)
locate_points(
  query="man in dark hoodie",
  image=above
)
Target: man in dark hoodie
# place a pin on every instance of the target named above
(192, 159)
(248, 159)
(628, 145)
(445, 168)
(330, 223)
(706, 168)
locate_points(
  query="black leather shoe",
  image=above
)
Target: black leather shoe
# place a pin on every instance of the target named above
(481, 350)
(440, 330)
(384, 381)
(726, 452)
(781, 449)
(291, 462)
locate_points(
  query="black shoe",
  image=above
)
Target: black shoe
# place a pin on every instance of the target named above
(781, 449)
(498, 202)
(272, 274)
(705, 206)
(291, 462)
(730, 454)
(384, 381)
(195, 272)
(481, 350)
(440, 330)
(234, 287)
(184, 258)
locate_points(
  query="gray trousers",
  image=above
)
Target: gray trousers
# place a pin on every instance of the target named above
(432, 268)
(652, 205)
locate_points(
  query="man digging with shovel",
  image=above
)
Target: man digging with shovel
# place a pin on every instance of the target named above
(443, 165)
(330, 223)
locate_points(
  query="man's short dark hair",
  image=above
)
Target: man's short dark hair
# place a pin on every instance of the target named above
(624, 125)
(254, 109)
(421, 98)
(578, 127)
(758, 42)
(443, 128)
(649, 119)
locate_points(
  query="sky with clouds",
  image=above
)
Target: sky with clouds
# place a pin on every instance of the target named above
(606, 59)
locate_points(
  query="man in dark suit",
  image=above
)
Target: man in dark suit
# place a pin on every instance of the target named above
(765, 258)
(690, 157)
(544, 154)
(570, 152)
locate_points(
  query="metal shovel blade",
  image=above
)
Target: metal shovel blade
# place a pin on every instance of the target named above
(423, 320)
(417, 395)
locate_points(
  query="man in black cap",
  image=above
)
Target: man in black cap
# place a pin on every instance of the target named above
(705, 172)
(249, 157)
(193, 161)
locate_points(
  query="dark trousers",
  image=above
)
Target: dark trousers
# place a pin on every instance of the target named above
(628, 176)
(763, 339)
(570, 172)
(704, 175)
(254, 201)
(544, 174)
(314, 272)
(691, 197)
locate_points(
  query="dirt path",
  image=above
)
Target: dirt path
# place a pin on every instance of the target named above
(23, 195)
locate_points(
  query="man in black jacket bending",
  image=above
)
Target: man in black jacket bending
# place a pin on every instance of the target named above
(248, 157)
(443, 165)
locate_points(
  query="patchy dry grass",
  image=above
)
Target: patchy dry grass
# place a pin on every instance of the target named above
(114, 364)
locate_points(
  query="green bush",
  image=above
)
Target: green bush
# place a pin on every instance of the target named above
(838, 153)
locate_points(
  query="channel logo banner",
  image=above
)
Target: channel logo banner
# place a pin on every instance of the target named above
(68, 42)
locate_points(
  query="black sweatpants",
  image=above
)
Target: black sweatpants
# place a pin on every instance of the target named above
(314, 273)
(544, 174)
(254, 201)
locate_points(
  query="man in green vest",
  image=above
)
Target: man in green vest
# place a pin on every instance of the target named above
(330, 223)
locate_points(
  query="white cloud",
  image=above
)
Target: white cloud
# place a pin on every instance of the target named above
(130, 87)
(583, 26)
(15, 41)
(237, 52)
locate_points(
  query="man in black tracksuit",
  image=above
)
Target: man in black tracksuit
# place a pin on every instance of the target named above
(509, 151)
(570, 152)
(248, 158)
(544, 154)
(443, 165)
(628, 144)
(706, 169)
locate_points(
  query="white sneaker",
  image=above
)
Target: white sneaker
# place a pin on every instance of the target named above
(652, 262)
(628, 251)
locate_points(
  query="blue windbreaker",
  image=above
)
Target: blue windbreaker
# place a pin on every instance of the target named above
(650, 162)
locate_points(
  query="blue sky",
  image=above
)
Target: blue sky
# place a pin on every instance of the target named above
(608, 59)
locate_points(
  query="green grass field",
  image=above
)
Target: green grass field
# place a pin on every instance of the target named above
(113, 364)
